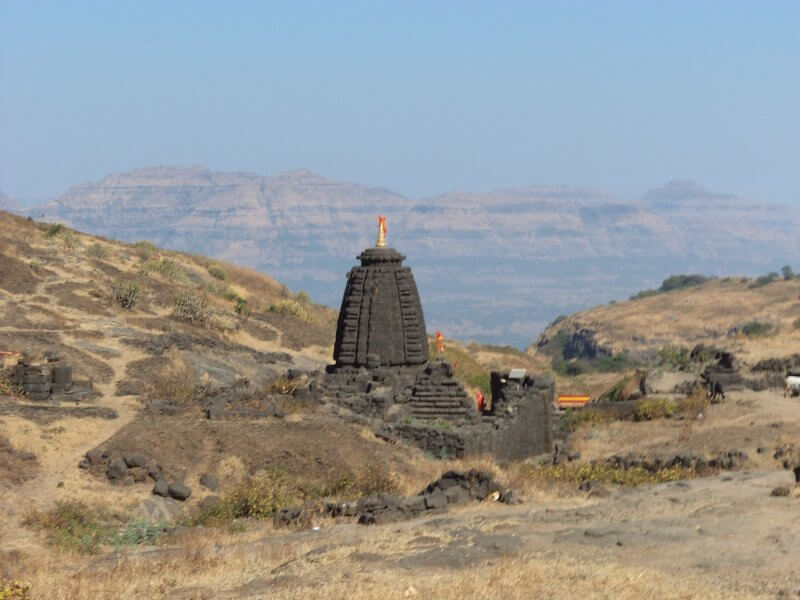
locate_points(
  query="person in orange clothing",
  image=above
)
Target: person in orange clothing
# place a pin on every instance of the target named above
(479, 401)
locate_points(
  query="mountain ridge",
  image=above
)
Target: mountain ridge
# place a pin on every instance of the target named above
(496, 266)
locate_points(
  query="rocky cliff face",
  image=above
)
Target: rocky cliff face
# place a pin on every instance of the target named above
(494, 267)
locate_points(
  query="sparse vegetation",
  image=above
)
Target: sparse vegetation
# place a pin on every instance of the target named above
(466, 367)
(764, 280)
(572, 419)
(644, 294)
(694, 404)
(787, 272)
(302, 297)
(217, 271)
(756, 329)
(648, 409)
(677, 282)
(600, 473)
(193, 306)
(615, 363)
(14, 590)
(166, 268)
(126, 293)
(292, 308)
(54, 229)
(177, 381)
(673, 357)
(796, 323)
(242, 308)
(75, 527)
(261, 496)
(282, 385)
(98, 250)
(145, 250)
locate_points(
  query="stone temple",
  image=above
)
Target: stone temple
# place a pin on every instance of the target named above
(384, 374)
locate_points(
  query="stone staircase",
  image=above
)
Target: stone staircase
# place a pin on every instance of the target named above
(437, 395)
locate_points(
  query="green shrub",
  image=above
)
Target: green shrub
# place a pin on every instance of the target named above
(755, 329)
(69, 240)
(573, 418)
(166, 268)
(677, 282)
(567, 368)
(76, 527)
(54, 229)
(302, 297)
(764, 280)
(615, 363)
(644, 294)
(787, 272)
(126, 293)
(242, 308)
(217, 271)
(648, 409)
(98, 250)
(675, 357)
(291, 308)
(193, 307)
(145, 250)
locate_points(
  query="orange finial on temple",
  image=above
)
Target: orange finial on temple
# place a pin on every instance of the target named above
(381, 243)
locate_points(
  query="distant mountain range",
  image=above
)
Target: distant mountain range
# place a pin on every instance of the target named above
(494, 267)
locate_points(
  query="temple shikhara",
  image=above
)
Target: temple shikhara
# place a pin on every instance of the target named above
(383, 373)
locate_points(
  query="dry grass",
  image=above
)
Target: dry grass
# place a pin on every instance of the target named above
(206, 567)
(178, 382)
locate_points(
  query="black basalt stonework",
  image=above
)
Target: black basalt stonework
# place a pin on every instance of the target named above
(381, 320)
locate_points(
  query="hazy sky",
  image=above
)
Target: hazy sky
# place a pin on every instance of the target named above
(421, 98)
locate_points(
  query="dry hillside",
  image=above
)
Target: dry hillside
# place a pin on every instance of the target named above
(158, 340)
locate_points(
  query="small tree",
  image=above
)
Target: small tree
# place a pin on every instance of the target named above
(787, 272)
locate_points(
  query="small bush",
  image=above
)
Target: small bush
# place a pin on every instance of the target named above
(14, 590)
(75, 527)
(242, 308)
(755, 329)
(166, 268)
(796, 323)
(177, 381)
(568, 368)
(648, 409)
(644, 294)
(291, 308)
(694, 404)
(193, 307)
(764, 280)
(98, 250)
(677, 282)
(217, 271)
(54, 230)
(677, 358)
(787, 272)
(613, 364)
(69, 240)
(145, 250)
(283, 385)
(571, 419)
(126, 293)
(302, 297)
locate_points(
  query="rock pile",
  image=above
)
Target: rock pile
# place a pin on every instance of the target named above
(452, 488)
(731, 459)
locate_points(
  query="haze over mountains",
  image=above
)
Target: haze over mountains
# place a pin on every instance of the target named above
(494, 267)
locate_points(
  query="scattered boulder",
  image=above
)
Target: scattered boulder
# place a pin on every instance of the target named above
(210, 482)
(179, 491)
(135, 460)
(117, 470)
(161, 488)
(94, 456)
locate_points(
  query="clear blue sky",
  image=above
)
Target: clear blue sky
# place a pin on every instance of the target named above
(419, 97)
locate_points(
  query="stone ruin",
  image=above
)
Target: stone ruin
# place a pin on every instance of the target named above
(384, 376)
(40, 380)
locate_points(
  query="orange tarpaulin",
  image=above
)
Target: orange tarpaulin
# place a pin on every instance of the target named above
(572, 400)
